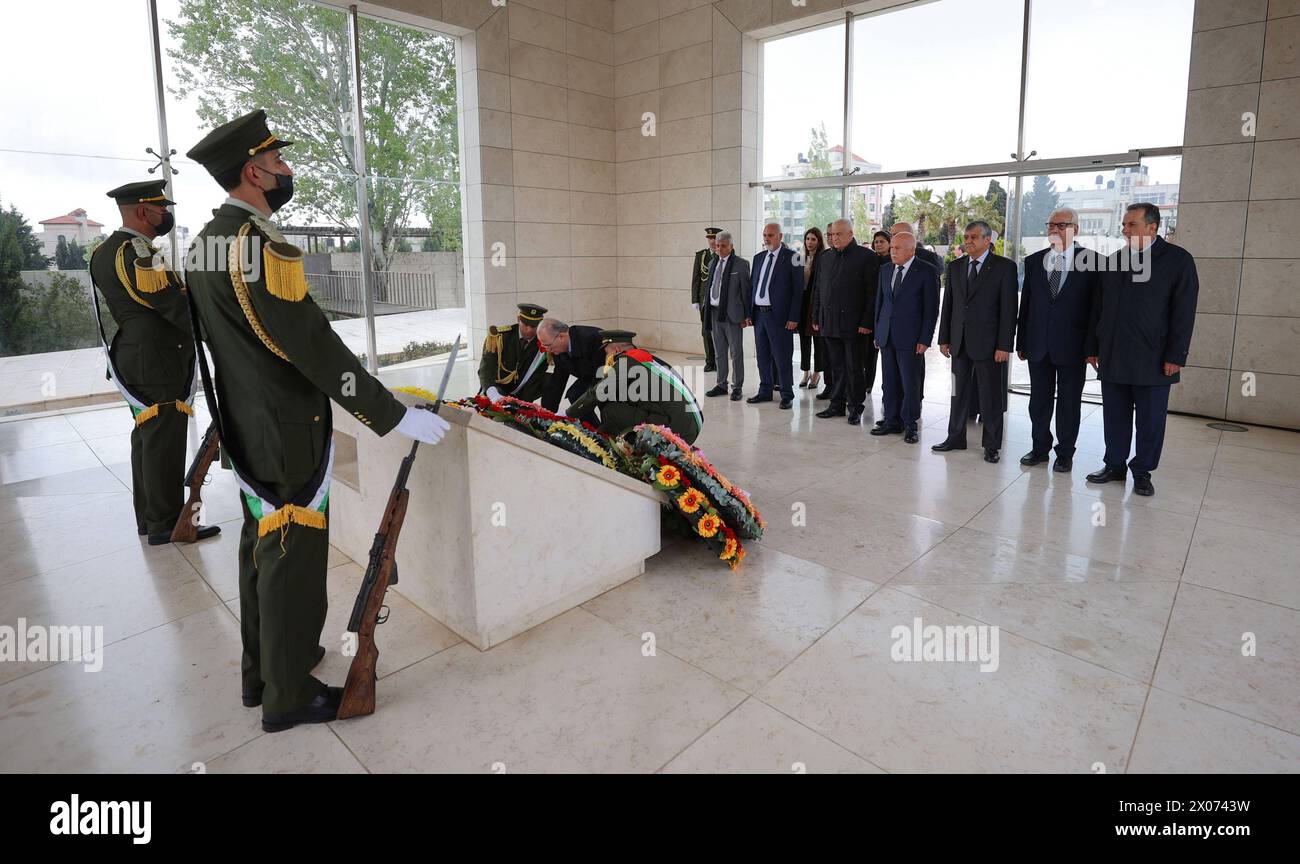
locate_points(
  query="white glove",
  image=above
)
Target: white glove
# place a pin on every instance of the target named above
(423, 426)
(493, 393)
(695, 306)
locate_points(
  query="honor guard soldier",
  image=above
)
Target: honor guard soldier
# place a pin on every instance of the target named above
(637, 387)
(278, 366)
(151, 358)
(699, 292)
(513, 364)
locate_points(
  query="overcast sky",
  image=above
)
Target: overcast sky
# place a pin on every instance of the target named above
(1106, 75)
(938, 84)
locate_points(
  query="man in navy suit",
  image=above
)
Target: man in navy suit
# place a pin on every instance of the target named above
(1148, 308)
(778, 293)
(907, 307)
(1057, 331)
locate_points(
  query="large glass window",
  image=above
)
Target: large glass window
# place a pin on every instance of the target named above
(1106, 76)
(803, 104)
(937, 84)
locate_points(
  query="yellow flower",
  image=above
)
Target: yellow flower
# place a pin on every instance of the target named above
(668, 476)
(729, 548)
(418, 392)
(708, 525)
(690, 500)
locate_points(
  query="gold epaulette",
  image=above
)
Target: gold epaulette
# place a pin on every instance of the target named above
(492, 344)
(119, 263)
(241, 292)
(285, 276)
(151, 275)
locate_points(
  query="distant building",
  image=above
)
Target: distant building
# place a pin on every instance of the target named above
(788, 208)
(75, 225)
(1101, 206)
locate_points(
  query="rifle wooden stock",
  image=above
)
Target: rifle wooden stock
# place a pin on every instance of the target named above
(187, 524)
(359, 691)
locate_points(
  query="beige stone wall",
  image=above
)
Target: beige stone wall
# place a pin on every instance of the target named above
(1238, 210)
(599, 221)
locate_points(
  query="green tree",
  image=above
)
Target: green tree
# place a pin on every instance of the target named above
(821, 206)
(919, 208)
(69, 255)
(889, 210)
(1040, 201)
(19, 250)
(56, 316)
(291, 57)
(997, 197)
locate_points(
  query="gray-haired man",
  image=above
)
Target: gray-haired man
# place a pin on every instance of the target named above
(729, 299)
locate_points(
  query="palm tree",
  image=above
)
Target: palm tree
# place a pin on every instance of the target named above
(916, 208)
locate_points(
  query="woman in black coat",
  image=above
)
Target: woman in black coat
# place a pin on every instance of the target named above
(812, 353)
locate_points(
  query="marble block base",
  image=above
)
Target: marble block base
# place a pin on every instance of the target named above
(502, 531)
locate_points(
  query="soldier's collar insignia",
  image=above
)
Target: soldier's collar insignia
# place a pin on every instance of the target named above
(267, 227)
(143, 247)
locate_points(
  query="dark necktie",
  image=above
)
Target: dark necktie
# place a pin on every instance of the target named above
(898, 280)
(973, 272)
(1054, 278)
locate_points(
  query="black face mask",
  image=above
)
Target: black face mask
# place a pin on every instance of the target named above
(167, 223)
(283, 191)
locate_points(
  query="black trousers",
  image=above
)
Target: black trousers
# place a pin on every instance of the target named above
(870, 353)
(158, 469)
(1046, 380)
(706, 332)
(812, 352)
(848, 387)
(989, 377)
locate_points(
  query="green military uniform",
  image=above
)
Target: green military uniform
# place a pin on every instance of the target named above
(278, 365)
(700, 295)
(151, 359)
(510, 362)
(637, 387)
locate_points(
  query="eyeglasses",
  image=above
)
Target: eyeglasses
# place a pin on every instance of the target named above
(1061, 226)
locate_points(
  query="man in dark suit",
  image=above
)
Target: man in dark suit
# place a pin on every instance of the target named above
(977, 330)
(846, 297)
(699, 299)
(778, 293)
(577, 352)
(1056, 333)
(907, 306)
(729, 296)
(1148, 308)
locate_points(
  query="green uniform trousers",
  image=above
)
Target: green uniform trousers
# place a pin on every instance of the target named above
(282, 604)
(158, 470)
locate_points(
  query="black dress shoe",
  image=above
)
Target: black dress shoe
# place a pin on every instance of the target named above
(709, 367)
(1142, 485)
(880, 423)
(755, 399)
(825, 394)
(1107, 475)
(1031, 458)
(162, 538)
(716, 390)
(142, 531)
(911, 437)
(990, 455)
(947, 445)
(322, 709)
(831, 412)
(855, 419)
(253, 698)
(785, 404)
(886, 430)
(1062, 465)
(735, 396)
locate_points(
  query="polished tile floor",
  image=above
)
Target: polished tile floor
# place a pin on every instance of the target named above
(1138, 635)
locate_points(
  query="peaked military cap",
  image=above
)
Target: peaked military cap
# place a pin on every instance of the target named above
(531, 313)
(232, 144)
(712, 232)
(144, 192)
(608, 336)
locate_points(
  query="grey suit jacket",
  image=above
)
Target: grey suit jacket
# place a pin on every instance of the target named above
(734, 305)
